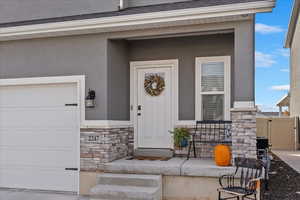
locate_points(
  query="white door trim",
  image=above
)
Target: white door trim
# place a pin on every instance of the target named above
(80, 82)
(133, 89)
(227, 84)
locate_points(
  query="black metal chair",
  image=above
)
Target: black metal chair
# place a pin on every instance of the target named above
(263, 149)
(249, 172)
(210, 132)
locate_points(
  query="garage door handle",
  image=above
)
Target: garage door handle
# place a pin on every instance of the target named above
(71, 169)
(71, 104)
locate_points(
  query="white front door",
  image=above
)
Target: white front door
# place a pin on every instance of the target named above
(154, 107)
(39, 137)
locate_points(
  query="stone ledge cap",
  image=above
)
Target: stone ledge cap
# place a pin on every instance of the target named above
(243, 109)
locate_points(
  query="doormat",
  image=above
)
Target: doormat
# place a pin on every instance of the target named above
(149, 158)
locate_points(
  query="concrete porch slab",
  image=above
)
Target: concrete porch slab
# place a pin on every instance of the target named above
(292, 158)
(204, 168)
(172, 167)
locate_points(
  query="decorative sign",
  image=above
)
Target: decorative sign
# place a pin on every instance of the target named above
(154, 83)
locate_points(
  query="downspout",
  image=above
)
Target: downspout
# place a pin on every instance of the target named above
(123, 4)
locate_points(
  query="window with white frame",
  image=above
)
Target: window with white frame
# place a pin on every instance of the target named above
(213, 88)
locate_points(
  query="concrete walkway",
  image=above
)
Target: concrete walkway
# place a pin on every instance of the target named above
(292, 158)
(18, 194)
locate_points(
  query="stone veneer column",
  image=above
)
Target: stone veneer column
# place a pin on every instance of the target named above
(102, 145)
(243, 133)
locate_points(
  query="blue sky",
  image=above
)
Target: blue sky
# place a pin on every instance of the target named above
(272, 60)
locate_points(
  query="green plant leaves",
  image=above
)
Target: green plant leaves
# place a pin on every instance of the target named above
(180, 134)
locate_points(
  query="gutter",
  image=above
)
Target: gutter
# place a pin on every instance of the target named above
(134, 21)
(292, 25)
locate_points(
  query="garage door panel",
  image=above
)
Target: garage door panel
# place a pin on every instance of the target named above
(39, 137)
(38, 166)
(38, 95)
(36, 118)
(27, 159)
(45, 179)
(43, 156)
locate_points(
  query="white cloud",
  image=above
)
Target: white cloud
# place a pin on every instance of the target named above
(285, 70)
(283, 52)
(267, 29)
(281, 87)
(263, 59)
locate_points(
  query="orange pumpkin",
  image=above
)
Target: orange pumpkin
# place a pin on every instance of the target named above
(222, 155)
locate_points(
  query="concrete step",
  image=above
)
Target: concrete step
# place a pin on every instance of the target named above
(129, 179)
(117, 192)
(166, 153)
(127, 187)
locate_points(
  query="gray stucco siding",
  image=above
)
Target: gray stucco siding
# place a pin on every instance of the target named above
(244, 61)
(104, 60)
(185, 49)
(80, 55)
(118, 80)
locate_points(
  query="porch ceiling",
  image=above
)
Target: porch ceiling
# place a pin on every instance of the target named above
(175, 35)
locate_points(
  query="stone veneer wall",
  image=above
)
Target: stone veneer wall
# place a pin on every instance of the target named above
(243, 137)
(102, 145)
(243, 133)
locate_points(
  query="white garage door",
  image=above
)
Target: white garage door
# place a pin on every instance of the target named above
(39, 126)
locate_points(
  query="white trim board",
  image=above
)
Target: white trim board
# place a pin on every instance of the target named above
(292, 24)
(175, 84)
(106, 124)
(227, 84)
(182, 123)
(117, 23)
(244, 104)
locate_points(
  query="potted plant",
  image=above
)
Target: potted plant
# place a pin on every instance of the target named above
(181, 137)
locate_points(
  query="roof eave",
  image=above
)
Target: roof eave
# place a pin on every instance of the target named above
(135, 20)
(292, 25)
(283, 99)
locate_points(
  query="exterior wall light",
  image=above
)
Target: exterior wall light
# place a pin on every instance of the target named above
(90, 100)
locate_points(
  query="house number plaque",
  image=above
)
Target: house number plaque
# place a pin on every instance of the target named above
(93, 138)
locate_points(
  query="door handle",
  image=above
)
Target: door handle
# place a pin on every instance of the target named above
(139, 114)
(139, 107)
